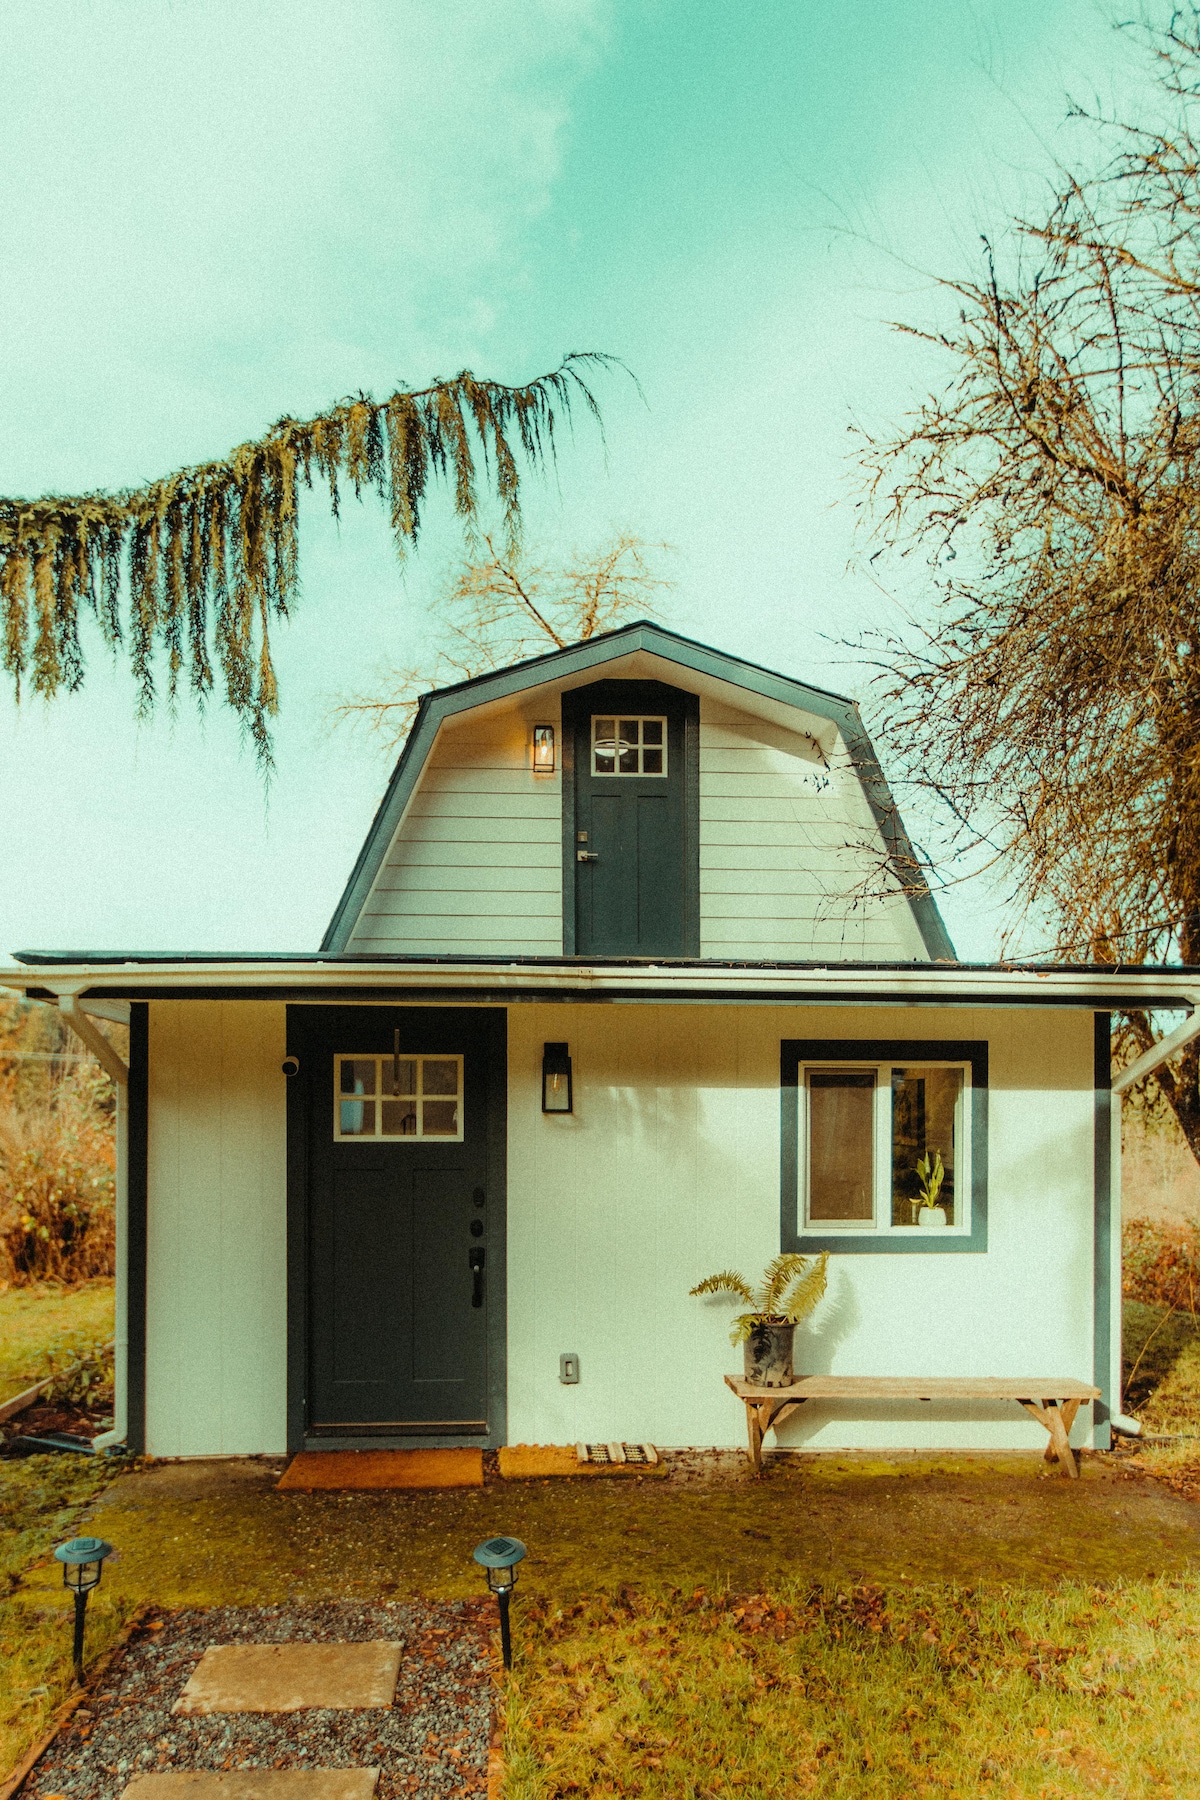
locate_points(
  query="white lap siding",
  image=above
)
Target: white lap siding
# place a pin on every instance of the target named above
(476, 864)
(216, 1275)
(791, 862)
(669, 1170)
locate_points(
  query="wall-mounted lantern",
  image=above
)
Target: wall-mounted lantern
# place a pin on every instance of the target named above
(543, 749)
(557, 1092)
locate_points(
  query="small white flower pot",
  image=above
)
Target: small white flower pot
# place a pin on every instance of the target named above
(932, 1215)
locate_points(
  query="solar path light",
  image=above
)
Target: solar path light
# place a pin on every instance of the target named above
(499, 1557)
(83, 1564)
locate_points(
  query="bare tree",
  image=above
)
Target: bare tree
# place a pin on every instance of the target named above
(1051, 702)
(505, 607)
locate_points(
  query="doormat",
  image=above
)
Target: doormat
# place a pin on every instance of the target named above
(313, 1469)
(535, 1462)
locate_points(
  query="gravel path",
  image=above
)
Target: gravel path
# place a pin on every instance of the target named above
(432, 1741)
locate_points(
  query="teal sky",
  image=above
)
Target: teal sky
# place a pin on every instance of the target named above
(216, 213)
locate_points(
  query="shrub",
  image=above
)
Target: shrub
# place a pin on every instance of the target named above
(1161, 1265)
(57, 1181)
(81, 1372)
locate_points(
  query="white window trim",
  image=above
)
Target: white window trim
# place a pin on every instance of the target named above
(381, 1059)
(615, 774)
(881, 1225)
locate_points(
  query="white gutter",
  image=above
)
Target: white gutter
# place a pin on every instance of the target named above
(103, 1051)
(919, 983)
(1161, 1052)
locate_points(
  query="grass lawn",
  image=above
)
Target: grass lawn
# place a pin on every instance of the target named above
(935, 1625)
(31, 1318)
(851, 1628)
(40, 1501)
(41, 1498)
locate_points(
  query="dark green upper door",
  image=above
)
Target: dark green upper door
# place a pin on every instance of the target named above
(402, 1263)
(631, 849)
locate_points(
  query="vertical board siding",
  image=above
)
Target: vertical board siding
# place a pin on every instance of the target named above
(669, 1170)
(791, 860)
(216, 1230)
(476, 863)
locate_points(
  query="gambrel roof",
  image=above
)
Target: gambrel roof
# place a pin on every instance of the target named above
(643, 649)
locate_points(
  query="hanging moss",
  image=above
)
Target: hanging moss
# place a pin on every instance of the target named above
(196, 566)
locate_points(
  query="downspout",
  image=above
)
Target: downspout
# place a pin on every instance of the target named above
(90, 1035)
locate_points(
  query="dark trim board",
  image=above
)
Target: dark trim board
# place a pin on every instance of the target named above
(137, 1182)
(793, 1052)
(1104, 1231)
(493, 1022)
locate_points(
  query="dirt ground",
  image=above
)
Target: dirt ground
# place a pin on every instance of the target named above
(216, 1532)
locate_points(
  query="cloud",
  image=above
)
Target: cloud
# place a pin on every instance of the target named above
(218, 211)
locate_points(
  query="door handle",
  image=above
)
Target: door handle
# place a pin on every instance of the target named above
(587, 856)
(475, 1259)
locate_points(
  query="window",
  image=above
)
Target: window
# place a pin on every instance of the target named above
(402, 1097)
(636, 746)
(858, 1118)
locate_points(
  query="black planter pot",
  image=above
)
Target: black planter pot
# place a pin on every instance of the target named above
(768, 1352)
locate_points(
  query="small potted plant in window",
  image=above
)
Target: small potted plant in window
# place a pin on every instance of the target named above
(930, 1174)
(790, 1288)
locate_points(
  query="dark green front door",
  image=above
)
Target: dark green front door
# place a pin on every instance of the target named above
(404, 1250)
(630, 848)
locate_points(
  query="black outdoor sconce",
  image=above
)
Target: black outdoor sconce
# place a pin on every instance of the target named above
(83, 1564)
(500, 1556)
(543, 749)
(557, 1092)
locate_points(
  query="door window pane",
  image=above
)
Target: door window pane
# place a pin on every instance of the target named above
(439, 1077)
(399, 1118)
(402, 1113)
(358, 1075)
(841, 1146)
(357, 1118)
(399, 1075)
(925, 1121)
(629, 746)
(440, 1118)
(604, 746)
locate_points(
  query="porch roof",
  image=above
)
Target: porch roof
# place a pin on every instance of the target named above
(501, 980)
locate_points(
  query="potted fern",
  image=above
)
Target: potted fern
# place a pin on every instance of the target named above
(789, 1290)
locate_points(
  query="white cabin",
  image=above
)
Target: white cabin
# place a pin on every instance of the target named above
(636, 978)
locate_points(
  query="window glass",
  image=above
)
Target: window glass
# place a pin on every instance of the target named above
(358, 1075)
(440, 1077)
(629, 746)
(399, 1075)
(357, 1118)
(841, 1146)
(925, 1123)
(399, 1118)
(440, 1118)
(419, 1097)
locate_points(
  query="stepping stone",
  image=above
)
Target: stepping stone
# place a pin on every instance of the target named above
(270, 1678)
(256, 1784)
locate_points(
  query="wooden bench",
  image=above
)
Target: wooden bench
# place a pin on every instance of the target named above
(1052, 1403)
